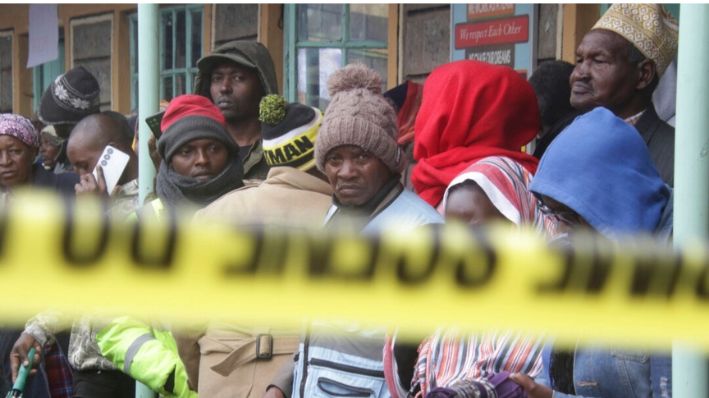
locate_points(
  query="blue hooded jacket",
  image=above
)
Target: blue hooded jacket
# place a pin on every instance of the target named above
(600, 167)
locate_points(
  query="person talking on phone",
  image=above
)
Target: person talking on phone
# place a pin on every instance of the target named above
(200, 163)
(86, 146)
(93, 375)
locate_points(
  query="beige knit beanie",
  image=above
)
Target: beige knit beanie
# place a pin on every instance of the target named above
(359, 115)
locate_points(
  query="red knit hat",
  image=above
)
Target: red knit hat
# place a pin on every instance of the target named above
(190, 105)
(190, 117)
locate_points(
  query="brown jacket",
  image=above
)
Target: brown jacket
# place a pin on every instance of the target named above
(222, 362)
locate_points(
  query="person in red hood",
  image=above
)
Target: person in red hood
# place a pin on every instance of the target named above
(471, 110)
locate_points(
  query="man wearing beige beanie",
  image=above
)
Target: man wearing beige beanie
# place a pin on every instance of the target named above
(357, 150)
(618, 65)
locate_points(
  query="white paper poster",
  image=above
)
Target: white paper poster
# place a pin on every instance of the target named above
(44, 34)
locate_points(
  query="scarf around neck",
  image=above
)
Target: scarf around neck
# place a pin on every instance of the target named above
(175, 189)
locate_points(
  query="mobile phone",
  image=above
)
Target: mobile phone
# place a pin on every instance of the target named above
(113, 162)
(154, 123)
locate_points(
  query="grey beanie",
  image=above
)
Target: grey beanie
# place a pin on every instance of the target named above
(359, 115)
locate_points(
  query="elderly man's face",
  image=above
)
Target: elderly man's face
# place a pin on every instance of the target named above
(603, 75)
(354, 174)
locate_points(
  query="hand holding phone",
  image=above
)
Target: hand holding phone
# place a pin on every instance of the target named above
(112, 162)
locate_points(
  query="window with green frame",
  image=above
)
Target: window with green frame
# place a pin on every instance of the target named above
(180, 43)
(6, 71)
(43, 75)
(321, 38)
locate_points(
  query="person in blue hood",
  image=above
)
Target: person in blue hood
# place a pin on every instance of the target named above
(600, 168)
(598, 174)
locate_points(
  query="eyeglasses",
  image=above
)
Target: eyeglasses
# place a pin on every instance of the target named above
(560, 212)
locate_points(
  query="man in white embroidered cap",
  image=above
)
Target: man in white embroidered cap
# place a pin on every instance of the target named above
(618, 65)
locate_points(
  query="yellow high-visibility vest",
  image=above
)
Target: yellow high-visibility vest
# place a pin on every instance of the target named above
(147, 354)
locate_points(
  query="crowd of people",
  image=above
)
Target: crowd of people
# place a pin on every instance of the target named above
(457, 148)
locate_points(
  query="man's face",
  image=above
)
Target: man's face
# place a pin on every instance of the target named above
(603, 75)
(15, 162)
(83, 153)
(354, 174)
(236, 90)
(202, 159)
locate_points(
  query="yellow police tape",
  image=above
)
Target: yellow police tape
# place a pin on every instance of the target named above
(70, 258)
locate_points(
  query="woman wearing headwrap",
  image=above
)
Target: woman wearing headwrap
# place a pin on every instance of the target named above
(19, 143)
(450, 364)
(471, 110)
(495, 187)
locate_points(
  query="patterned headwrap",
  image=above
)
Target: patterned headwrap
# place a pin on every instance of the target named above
(19, 127)
(649, 27)
(505, 183)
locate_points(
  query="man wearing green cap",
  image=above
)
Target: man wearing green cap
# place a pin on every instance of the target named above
(235, 77)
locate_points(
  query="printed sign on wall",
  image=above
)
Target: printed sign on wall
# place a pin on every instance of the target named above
(495, 33)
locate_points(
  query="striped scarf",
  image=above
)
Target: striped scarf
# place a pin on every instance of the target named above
(447, 358)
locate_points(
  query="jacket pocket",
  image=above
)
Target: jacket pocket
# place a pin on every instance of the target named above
(337, 389)
(334, 379)
(634, 356)
(633, 369)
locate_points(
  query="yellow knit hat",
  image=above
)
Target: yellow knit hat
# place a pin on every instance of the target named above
(650, 28)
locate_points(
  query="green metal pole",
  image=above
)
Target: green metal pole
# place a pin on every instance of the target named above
(142, 391)
(691, 207)
(148, 104)
(148, 86)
